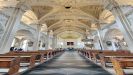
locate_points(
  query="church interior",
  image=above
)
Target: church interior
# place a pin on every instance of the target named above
(66, 37)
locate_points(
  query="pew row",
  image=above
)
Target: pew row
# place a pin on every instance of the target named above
(103, 59)
(104, 56)
(23, 59)
(119, 64)
(31, 57)
(106, 59)
(12, 63)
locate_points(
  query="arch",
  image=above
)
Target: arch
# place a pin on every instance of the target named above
(74, 30)
(108, 17)
(115, 38)
(80, 25)
(24, 33)
(112, 33)
(23, 39)
(69, 33)
(70, 36)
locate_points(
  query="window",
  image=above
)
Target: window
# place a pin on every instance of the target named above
(70, 43)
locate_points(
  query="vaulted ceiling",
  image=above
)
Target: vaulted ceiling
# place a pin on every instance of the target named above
(70, 15)
(67, 15)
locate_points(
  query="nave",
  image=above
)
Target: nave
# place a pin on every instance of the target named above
(69, 63)
(38, 36)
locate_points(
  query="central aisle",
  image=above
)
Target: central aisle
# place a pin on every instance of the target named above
(69, 63)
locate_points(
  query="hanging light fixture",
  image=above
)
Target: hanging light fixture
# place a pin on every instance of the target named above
(86, 39)
(68, 5)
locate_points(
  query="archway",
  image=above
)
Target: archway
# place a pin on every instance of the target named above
(42, 42)
(70, 39)
(114, 40)
(125, 28)
(24, 39)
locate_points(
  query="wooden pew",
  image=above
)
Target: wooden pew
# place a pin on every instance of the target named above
(23, 59)
(40, 55)
(105, 58)
(91, 54)
(87, 53)
(120, 64)
(13, 63)
(94, 53)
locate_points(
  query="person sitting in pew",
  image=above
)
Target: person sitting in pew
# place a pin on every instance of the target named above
(12, 49)
(15, 49)
(99, 54)
(18, 49)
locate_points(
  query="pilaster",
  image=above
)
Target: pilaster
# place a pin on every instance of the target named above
(36, 43)
(100, 36)
(11, 27)
(47, 40)
(54, 42)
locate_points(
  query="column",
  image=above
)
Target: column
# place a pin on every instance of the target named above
(99, 36)
(122, 21)
(113, 45)
(47, 41)
(21, 43)
(13, 43)
(11, 27)
(41, 43)
(54, 42)
(36, 42)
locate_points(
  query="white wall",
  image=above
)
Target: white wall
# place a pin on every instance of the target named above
(62, 43)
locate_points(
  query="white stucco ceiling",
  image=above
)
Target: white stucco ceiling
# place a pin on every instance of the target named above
(67, 15)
